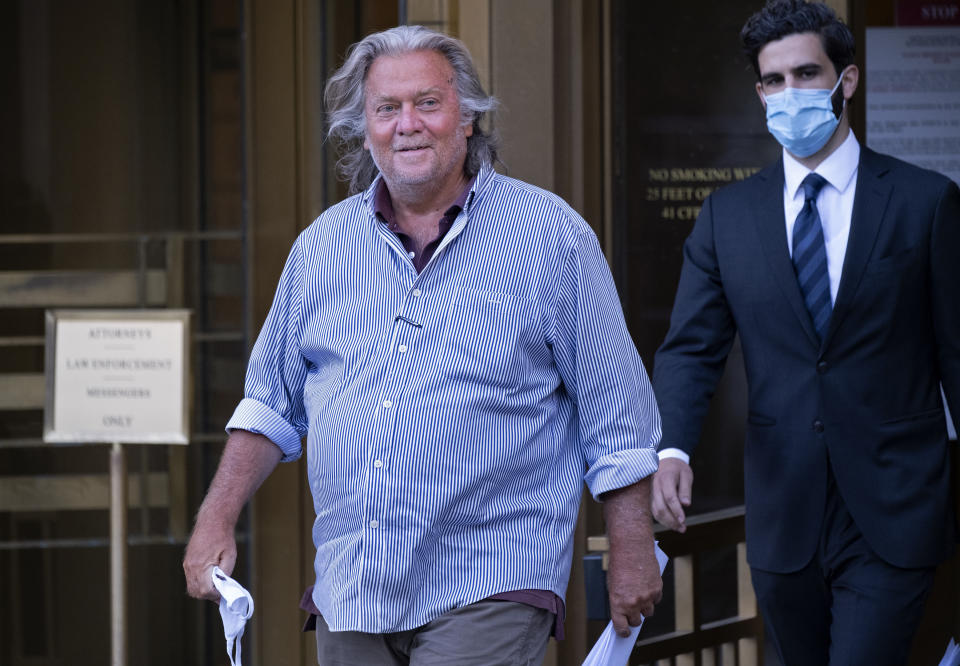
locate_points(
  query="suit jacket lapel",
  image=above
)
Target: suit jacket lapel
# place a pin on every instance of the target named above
(772, 229)
(869, 204)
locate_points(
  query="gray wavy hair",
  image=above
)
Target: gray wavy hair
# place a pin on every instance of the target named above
(344, 99)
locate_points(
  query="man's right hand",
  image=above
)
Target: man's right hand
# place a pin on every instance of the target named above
(670, 492)
(209, 546)
(247, 460)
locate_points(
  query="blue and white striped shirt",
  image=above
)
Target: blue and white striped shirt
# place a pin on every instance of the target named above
(451, 416)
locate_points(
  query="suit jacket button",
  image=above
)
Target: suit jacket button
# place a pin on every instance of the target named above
(818, 426)
(821, 367)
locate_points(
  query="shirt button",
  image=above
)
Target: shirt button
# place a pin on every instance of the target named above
(374, 524)
(818, 426)
(388, 404)
(378, 464)
(402, 348)
(417, 292)
(412, 254)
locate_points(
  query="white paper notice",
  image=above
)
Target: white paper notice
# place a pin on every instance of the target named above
(913, 95)
(119, 380)
(612, 650)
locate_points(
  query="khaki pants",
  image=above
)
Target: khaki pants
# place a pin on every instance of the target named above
(487, 633)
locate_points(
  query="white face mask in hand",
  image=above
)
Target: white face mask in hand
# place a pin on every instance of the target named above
(236, 607)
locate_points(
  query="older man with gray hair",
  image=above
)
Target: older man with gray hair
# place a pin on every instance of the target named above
(451, 345)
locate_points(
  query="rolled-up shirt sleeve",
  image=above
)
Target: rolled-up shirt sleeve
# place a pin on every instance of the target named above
(273, 391)
(619, 424)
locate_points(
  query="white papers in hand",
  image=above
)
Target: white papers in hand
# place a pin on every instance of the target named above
(612, 650)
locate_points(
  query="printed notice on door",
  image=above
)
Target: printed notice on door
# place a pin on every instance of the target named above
(117, 376)
(913, 95)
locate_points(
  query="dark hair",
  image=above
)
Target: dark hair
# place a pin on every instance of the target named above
(781, 18)
(344, 98)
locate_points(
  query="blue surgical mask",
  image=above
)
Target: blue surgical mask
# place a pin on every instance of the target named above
(801, 119)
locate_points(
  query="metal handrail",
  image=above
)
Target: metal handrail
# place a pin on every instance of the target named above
(37, 442)
(103, 542)
(119, 237)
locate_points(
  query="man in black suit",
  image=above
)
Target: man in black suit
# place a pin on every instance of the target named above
(843, 286)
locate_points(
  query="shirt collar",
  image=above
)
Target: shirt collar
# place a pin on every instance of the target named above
(475, 188)
(838, 168)
(383, 204)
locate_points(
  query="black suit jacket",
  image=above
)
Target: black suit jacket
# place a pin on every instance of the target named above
(866, 400)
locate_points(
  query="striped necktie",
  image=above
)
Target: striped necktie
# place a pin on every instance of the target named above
(810, 256)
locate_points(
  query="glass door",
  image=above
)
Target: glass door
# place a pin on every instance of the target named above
(121, 185)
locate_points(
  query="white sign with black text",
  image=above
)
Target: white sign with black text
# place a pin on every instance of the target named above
(117, 376)
(913, 95)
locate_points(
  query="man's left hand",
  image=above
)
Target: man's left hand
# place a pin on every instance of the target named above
(633, 579)
(633, 575)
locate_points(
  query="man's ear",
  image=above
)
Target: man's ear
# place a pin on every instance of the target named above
(849, 81)
(763, 100)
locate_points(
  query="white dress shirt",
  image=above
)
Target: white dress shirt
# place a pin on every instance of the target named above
(835, 205)
(834, 202)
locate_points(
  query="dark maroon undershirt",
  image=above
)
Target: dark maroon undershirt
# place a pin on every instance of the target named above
(383, 209)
